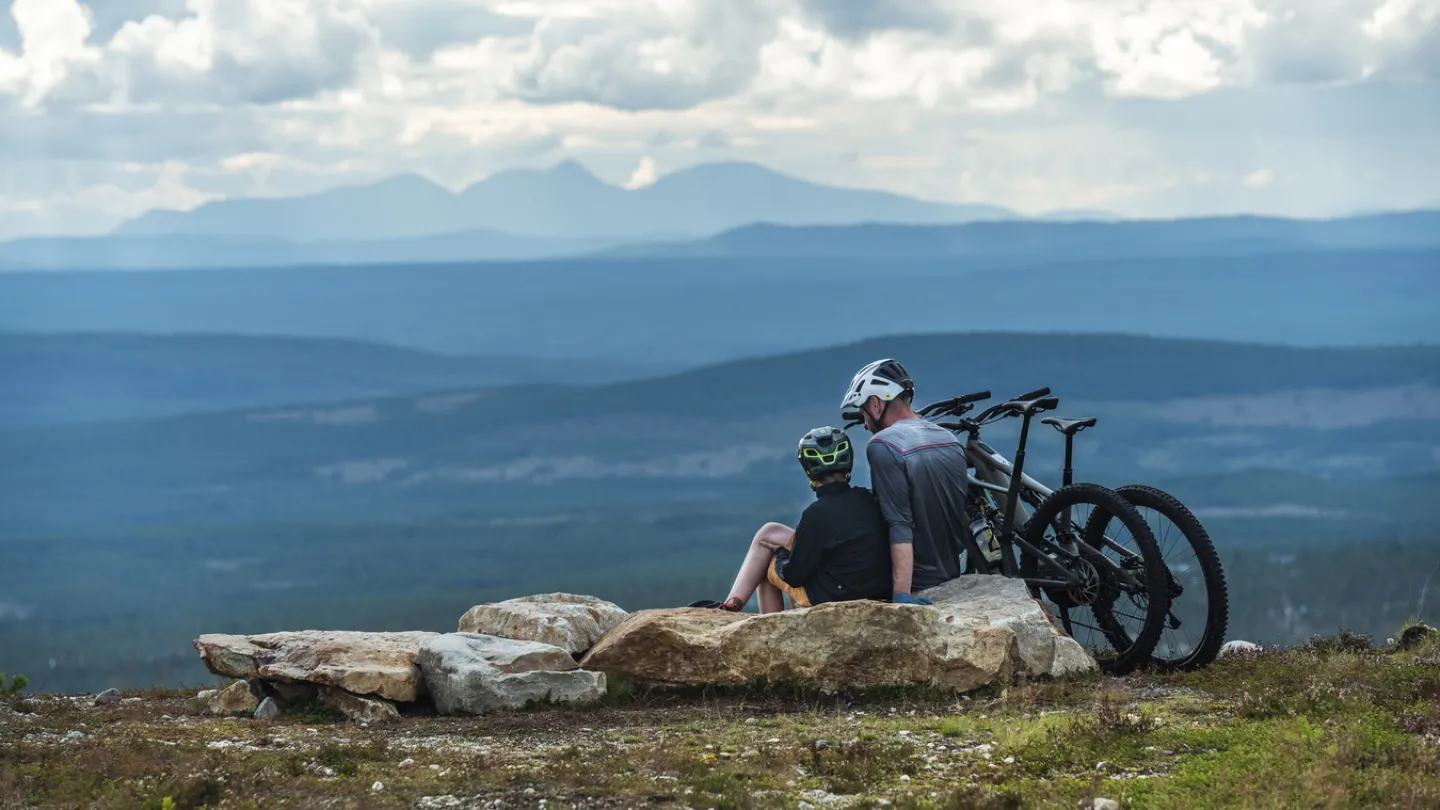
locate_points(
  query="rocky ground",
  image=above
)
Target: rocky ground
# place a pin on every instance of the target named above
(1335, 724)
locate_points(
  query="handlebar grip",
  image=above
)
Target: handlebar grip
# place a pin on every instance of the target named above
(978, 396)
(1039, 392)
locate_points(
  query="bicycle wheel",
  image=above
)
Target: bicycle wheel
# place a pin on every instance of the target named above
(1118, 625)
(1198, 595)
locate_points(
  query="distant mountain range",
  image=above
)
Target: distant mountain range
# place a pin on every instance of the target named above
(99, 377)
(712, 211)
(1203, 236)
(1165, 407)
(695, 310)
(205, 251)
(566, 201)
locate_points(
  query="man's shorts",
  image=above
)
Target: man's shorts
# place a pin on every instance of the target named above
(797, 595)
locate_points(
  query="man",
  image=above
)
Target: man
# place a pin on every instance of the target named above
(839, 550)
(919, 474)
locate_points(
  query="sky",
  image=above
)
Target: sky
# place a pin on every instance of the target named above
(1138, 107)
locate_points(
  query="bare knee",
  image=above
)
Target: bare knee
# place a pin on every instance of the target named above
(771, 530)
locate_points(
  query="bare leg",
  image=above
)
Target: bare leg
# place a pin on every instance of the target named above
(757, 562)
(771, 599)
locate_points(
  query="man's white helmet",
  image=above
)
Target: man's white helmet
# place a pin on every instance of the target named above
(886, 379)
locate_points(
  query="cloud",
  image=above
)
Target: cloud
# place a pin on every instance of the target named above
(715, 139)
(667, 54)
(856, 20)
(420, 27)
(644, 175)
(1258, 178)
(1133, 105)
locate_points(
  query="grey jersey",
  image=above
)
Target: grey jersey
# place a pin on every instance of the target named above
(918, 472)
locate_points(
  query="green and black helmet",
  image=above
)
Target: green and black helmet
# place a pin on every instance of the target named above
(826, 451)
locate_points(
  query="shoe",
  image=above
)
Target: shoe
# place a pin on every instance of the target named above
(704, 603)
(733, 604)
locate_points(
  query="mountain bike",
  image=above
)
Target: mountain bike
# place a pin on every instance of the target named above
(1179, 648)
(1124, 599)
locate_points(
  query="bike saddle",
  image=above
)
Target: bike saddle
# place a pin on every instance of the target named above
(1069, 426)
(1031, 405)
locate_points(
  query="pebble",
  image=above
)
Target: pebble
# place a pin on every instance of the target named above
(434, 767)
(1009, 760)
(405, 763)
(1105, 804)
(107, 697)
(904, 777)
(821, 745)
(377, 787)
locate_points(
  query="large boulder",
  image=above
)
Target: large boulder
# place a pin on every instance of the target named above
(380, 664)
(834, 646)
(470, 673)
(568, 621)
(991, 600)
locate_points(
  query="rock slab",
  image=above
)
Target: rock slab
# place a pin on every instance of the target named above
(472, 673)
(991, 600)
(571, 622)
(834, 646)
(379, 664)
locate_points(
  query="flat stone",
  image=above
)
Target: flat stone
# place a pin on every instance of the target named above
(572, 622)
(107, 697)
(381, 664)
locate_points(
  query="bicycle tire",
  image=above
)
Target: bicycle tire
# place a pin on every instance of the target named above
(1130, 653)
(1216, 592)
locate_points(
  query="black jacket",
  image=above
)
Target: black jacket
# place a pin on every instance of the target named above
(841, 549)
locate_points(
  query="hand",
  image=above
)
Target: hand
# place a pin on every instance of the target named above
(907, 599)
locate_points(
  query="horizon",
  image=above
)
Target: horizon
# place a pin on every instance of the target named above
(1158, 110)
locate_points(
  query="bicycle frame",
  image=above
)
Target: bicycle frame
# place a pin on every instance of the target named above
(993, 472)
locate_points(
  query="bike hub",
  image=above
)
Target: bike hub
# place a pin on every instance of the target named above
(1086, 588)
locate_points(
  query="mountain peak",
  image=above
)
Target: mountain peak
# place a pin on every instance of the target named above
(571, 168)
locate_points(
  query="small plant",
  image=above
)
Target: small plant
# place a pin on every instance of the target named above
(1347, 642)
(12, 687)
(1414, 633)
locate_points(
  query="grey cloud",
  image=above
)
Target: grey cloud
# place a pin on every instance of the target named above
(715, 139)
(109, 16)
(420, 28)
(149, 137)
(857, 19)
(1316, 45)
(330, 59)
(601, 61)
(9, 32)
(661, 138)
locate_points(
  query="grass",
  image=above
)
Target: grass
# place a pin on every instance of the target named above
(1336, 723)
